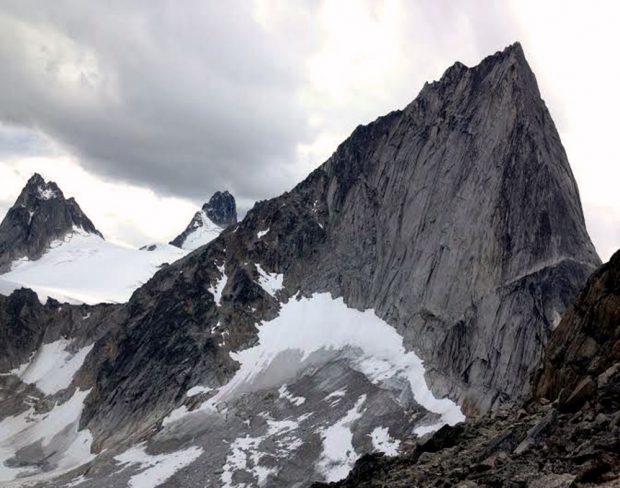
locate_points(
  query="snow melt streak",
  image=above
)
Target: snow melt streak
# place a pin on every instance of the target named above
(156, 468)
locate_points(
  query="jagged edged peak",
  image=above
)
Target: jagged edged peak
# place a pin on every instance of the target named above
(37, 188)
(45, 196)
(221, 208)
(215, 215)
(512, 55)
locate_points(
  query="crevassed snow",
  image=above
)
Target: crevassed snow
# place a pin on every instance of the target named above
(270, 282)
(217, 289)
(287, 395)
(202, 234)
(338, 453)
(319, 323)
(63, 446)
(156, 468)
(383, 442)
(52, 367)
(84, 268)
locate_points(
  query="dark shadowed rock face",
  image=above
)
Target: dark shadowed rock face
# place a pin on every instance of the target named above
(574, 441)
(40, 216)
(221, 210)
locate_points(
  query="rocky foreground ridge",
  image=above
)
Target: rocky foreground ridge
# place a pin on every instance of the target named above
(567, 433)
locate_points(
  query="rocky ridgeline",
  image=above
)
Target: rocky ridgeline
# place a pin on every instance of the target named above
(567, 434)
(40, 216)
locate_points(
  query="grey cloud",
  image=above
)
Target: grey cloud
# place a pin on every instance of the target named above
(184, 97)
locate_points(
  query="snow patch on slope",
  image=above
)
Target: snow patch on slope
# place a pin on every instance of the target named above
(202, 233)
(270, 282)
(287, 395)
(197, 390)
(383, 442)
(84, 268)
(322, 323)
(217, 289)
(338, 453)
(46, 193)
(246, 455)
(157, 469)
(53, 367)
(61, 447)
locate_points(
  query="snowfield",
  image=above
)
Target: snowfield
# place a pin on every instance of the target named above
(202, 234)
(303, 328)
(62, 446)
(84, 268)
(52, 367)
(320, 322)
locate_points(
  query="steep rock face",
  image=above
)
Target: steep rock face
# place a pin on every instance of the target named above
(217, 214)
(458, 220)
(571, 442)
(221, 209)
(40, 216)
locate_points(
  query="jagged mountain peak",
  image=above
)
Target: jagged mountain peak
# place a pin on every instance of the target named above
(216, 214)
(40, 215)
(38, 189)
(221, 209)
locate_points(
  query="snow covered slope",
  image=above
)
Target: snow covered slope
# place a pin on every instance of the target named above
(203, 232)
(84, 268)
(208, 223)
(324, 384)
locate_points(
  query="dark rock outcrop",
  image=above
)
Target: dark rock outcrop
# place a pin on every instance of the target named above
(40, 216)
(574, 441)
(221, 209)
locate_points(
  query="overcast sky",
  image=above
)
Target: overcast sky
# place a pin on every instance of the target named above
(142, 109)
